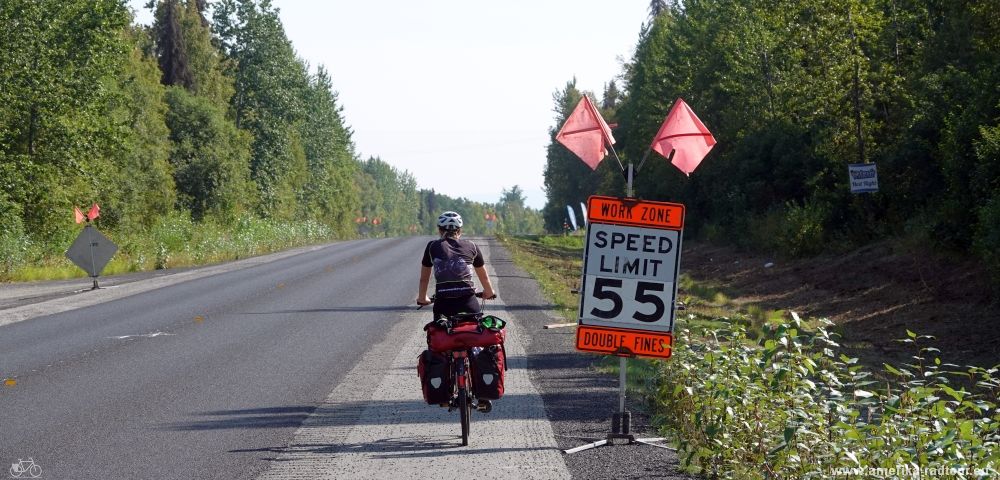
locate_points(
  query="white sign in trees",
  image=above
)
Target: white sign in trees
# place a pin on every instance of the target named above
(864, 177)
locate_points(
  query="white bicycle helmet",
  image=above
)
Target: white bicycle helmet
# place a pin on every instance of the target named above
(450, 221)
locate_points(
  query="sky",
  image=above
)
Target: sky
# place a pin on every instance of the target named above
(459, 92)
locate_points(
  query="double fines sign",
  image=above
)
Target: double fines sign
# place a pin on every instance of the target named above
(630, 277)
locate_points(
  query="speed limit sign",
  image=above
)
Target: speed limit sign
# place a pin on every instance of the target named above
(630, 272)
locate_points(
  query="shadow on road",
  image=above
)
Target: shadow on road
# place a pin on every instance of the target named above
(344, 414)
(416, 446)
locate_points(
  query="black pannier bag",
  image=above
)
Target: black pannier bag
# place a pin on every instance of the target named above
(432, 368)
(488, 372)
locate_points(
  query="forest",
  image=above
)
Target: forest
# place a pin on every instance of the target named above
(202, 136)
(795, 91)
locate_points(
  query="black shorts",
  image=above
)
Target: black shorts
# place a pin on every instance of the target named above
(454, 306)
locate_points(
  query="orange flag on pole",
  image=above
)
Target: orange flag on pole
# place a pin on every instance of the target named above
(95, 211)
(683, 133)
(77, 215)
(586, 134)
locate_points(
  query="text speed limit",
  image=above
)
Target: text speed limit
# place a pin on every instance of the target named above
(634, 302)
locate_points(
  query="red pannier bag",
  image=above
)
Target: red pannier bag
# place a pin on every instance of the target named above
(488, 368)
(435, 379)
(463, 336)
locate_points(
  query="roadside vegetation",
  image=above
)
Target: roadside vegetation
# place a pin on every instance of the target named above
(203, 137)
(750, 393)
(794, 91)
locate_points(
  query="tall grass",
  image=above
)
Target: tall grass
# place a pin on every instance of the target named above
(174, 241)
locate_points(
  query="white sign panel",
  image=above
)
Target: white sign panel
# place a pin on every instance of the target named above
(91, 251)
(629, 277)
(864, 177)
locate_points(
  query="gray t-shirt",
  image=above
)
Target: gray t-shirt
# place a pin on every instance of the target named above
(453, 261)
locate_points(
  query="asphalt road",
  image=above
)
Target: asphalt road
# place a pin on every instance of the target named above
(297, 366)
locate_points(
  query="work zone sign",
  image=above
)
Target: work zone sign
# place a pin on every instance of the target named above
(630, 269)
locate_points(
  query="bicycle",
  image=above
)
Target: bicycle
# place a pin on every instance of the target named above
(460, 371)
(25, 467)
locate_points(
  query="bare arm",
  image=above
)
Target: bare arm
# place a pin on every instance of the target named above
(484, 279)
(425, 278)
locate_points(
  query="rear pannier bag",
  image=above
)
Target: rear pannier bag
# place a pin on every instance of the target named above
(464, 336)
(488, 372)
(432, 368)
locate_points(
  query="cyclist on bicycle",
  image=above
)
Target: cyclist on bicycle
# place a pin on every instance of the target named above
(453, 260)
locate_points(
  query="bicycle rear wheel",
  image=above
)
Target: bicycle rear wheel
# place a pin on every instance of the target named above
(465, 411)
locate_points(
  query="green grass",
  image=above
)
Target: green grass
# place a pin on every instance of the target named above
(555, 261)
(175, 241)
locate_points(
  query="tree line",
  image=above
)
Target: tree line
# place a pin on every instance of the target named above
(207, 113)
(796, 90)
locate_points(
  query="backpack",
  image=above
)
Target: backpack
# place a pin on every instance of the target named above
(488, 372)
(435, 377)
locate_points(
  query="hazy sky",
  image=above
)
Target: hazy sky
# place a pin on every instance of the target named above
(459, 92)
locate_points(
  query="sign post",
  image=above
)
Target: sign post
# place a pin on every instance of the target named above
(629, 289)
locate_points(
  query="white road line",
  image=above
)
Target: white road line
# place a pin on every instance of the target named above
(389, 432)
(147, 335)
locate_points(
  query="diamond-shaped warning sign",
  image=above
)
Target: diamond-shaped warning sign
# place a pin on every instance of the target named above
(91, 251)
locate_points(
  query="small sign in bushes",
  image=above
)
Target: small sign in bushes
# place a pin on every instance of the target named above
(864, 177)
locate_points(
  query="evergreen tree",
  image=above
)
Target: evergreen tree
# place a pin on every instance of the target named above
(171, 49)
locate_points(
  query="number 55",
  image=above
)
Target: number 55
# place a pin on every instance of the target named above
(603, 291)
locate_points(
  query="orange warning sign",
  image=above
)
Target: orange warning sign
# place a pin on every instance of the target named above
(640, 213)
(622, 342)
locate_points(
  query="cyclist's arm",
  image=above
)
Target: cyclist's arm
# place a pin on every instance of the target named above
(484, 279)
(425, 278)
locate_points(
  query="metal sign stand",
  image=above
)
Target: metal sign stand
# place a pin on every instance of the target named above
(621, 422)
(93, 264)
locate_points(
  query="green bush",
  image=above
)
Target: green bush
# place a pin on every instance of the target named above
(768, 231)
(789, 406)
(987, 238)
(16, 249)
(803, 232)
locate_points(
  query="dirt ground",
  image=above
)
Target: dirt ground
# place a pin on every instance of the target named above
(873, 294)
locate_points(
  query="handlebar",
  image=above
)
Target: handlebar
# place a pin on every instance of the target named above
(434, 297)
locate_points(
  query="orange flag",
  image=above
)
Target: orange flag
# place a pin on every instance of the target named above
(586, 134)
(77, 215)
(95, 211)
(683, 133)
